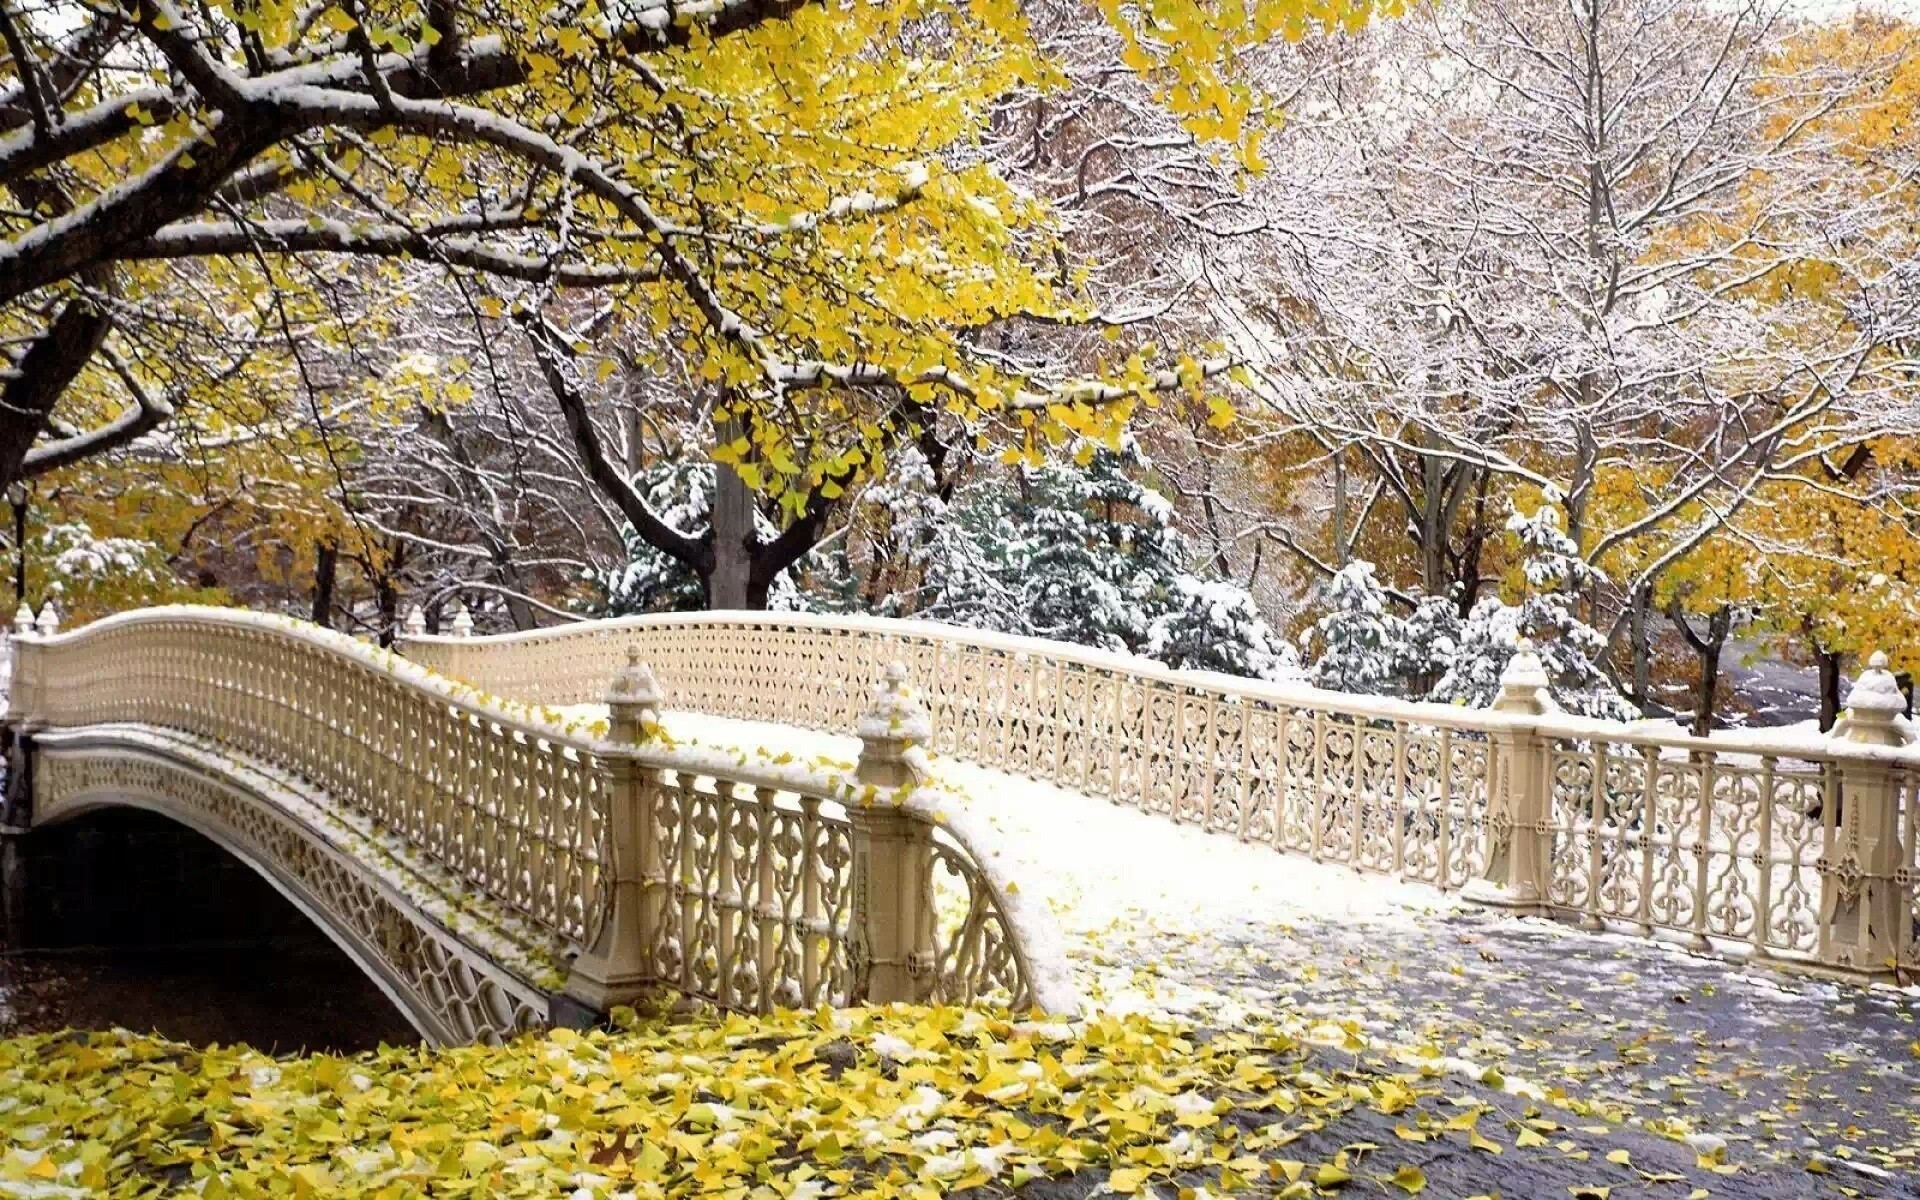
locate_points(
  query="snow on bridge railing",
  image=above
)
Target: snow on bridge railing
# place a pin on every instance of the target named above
(1769, 842)
(752, 884)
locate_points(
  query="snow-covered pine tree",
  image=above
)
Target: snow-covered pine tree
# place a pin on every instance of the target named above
(1568, 647)
(1216, 626)
(1488, 638)
(1083, 553)
(1359, 644)
(1431, 644)
(1097, 552)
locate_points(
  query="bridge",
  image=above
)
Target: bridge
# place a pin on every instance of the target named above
(506, 832)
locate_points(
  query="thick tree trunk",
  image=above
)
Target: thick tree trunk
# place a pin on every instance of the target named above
(731, 583)
(1707, 648)
(387, 598)
(1709, 687)
(326, 566)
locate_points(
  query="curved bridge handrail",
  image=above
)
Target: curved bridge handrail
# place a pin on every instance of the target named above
(513, 806)
(1740, 840)
(570, 664)
(751, 870)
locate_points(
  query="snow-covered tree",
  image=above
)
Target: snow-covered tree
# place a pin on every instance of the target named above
(1548, 614)
(1360, 645)
(1215, 626)
(1431, 643)
(1096, 551)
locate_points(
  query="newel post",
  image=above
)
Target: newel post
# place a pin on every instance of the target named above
(1864, 922)
(616, 969)
(24, 653)
(893, 948)
(1518, 793)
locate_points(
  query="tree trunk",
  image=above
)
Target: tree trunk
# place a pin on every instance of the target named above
(1707, 647)
(1828, 663)
(326, 566)
(1709, 686)
(731, 584)
(1340, 540)
(387, 598)
(1642, 651)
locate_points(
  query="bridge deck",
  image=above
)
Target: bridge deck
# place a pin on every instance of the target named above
(1171, 918)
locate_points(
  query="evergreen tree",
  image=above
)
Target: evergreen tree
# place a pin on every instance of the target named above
(1548, 615)
(1361, 645)
(1432, 642)
(1217, 627)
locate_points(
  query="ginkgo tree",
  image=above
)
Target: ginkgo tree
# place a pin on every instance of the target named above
(782, 190)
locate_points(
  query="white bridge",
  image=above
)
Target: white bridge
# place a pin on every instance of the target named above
(498, 857)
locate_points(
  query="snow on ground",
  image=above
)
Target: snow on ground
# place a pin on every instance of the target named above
(1168, 918)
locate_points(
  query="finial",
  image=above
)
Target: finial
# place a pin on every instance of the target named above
(49, 619)
(416, 624)
(895, 725)
(23, 618)
(1524, 683)
(1875, 705)
(633, 699)
(462, 620)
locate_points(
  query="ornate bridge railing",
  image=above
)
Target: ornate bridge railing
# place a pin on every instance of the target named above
(633, 862)
(1774, 843)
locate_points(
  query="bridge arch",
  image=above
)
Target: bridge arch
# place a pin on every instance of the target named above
(448, 993)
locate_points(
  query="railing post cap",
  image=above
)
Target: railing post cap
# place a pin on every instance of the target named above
(49, 619)
(416, 624)
(634, 684)
(462, 620)
(1524, 683)
(894, 725)
(23, 618)
(1874, 707)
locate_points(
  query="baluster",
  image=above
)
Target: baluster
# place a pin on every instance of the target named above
(1056, 716)
(1356, 772)
(1319, 799)
(1244, 799)
(1703, 853)
(1087, 736)
(812, 910)
(1210, 773)
(1596, 831)
(1178, 763)
(768, 907)
(1763, 888)
(1649, 810)
(1283, 773)
(727, 906)
(1443, 835)
(1399, 798)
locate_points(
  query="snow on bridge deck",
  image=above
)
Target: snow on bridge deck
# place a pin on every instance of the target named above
(1168, 918)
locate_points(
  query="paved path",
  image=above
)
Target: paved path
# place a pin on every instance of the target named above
(1166, 918)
